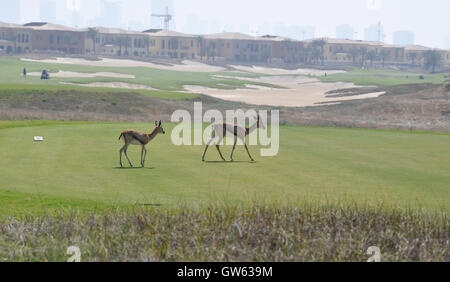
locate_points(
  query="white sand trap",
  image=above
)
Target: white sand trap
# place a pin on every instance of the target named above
(71, 74)
(277, 71)
(121, 85)
(299, 92)
(107, 62)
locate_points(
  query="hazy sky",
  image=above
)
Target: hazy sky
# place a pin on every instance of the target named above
(429, 20)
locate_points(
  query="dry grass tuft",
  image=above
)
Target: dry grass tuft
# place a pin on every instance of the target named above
(230, 234)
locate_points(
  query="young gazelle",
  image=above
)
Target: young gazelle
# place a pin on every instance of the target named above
(132, 137)
(220, 130)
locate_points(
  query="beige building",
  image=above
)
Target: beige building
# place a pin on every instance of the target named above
(415, 53)
(219, 47)
(15, 38)
(48, 37)
(234, 46)
(115, 42)
(172, 44)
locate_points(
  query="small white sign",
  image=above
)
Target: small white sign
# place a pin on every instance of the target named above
(38, 138)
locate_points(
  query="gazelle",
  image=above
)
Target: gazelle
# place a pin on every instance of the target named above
(132, 137)
(220, 130)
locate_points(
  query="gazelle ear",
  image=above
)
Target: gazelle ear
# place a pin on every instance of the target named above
(156, 123)
(159, 123)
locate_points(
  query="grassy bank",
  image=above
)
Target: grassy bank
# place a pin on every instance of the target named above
(227, 233)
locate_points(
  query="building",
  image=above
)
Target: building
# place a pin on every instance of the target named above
(15, 38)
(234, 46)
(344, 31)
(116, 42)
(48, 37)
(43, 37)
(285, 50)
(374, 33)
(404, 38)
(172, 44)
(416, 52)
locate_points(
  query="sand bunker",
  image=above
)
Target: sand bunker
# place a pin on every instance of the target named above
(299, 91)
(121, 85)
(107, 62)
(71, 74)
(276, 71)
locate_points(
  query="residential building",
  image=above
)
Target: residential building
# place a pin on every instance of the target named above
(15, 38)
(56, 38)
(172, 44)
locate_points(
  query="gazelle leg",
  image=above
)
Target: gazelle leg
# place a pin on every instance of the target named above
(126, 155)
(218, 148)
(220, 153)
(234, 147)
(206, 149)
(145, 156)
(246, 148)
(121, 152)
(142, 156)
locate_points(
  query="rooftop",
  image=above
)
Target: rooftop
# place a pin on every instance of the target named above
(230, 35)
(107, 30)
(2, 24)
(167, 33)
(48, 26)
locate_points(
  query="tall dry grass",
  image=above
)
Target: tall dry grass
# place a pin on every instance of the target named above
(307, 233)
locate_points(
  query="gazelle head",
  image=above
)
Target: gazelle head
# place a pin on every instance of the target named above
(158, 128)
(260, 123)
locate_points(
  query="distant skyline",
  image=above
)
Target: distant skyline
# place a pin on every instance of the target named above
(294, 18)
(404, 37)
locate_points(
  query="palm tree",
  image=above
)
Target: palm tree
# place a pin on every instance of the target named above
(372, 55)
(127, 42)
(92, 34)
(384, 54)
(199, 40)
(412, 56)
(320, 43)
(146, 45)
(316, 54)
(432, 59)
(68, 39)
(120, 41)
(353, 53)
(363, 53)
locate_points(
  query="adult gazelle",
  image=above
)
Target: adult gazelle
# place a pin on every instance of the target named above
(133, 137)
(220, 130)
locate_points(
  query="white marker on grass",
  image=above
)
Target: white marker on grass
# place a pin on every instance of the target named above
(38, 138)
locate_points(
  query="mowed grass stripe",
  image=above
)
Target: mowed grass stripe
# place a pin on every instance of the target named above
(80, 162)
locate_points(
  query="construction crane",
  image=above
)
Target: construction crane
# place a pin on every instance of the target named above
(167, 18)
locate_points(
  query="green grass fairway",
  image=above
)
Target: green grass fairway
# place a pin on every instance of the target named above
(384, 77)
(165, 81)
(77, 166)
